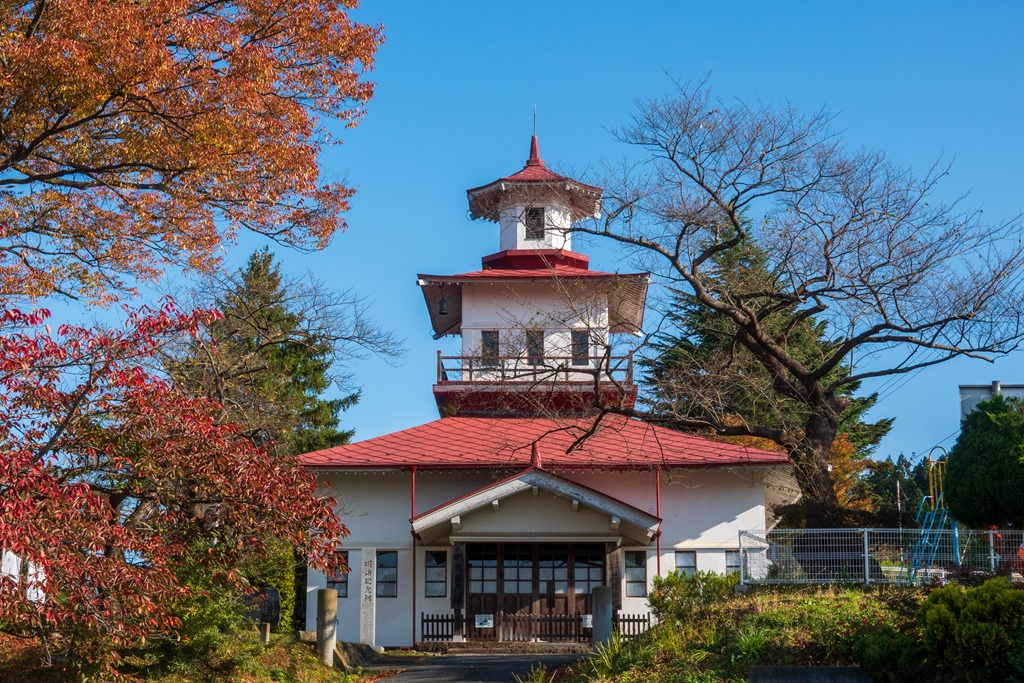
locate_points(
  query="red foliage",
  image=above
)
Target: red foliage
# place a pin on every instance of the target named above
(110, 476)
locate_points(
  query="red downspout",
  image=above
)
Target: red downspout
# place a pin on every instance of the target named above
(412, 506)
(657, 512)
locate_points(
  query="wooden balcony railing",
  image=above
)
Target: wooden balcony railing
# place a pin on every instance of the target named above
(523, 369)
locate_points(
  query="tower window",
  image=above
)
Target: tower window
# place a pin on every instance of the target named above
(580, 348)
(489, 346)
(535, 223)
(535, 347)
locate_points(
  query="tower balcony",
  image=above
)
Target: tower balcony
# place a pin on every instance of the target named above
(524, 386)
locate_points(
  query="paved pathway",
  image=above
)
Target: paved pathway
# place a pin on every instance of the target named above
(476, 668)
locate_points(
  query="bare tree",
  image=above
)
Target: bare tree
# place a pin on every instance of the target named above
(901, 279)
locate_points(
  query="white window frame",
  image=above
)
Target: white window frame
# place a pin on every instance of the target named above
(685, 567)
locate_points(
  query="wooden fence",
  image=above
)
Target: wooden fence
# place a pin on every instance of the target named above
(550, 628)
(631, 625)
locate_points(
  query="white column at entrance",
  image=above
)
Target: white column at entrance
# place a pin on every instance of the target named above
(368, 598)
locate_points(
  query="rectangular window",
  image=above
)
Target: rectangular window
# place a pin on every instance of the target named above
(686, 562)
(535, 347)
(482, 564)
(437, 574)
(636, 574)
(535, 223)
(517, 569)
(732, 562)
(489, 346)
(580, 348)
(387, 574)
(588, 568)
(553, 570)
(339, 580)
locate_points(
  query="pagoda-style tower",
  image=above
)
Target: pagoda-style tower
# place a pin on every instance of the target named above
(535, 321)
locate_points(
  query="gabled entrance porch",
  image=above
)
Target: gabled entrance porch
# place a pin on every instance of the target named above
(527, 554)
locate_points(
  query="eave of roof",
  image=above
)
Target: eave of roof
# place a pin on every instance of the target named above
(626, 292)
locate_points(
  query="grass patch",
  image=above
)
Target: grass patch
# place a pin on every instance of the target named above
(769, 626)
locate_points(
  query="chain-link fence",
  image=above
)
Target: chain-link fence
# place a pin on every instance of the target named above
(874, 555)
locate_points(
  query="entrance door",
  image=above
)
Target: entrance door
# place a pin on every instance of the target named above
(481, 589)
(523, 579)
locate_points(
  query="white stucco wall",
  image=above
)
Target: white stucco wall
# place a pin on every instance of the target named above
(702, 512)
(512, 222)
(557, 308)
(526, 516)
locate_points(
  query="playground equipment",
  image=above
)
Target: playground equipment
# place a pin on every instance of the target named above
(936, 524)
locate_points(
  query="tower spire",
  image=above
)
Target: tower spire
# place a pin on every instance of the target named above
(534, 159)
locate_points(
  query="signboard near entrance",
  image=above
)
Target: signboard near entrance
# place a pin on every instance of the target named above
(485, 621)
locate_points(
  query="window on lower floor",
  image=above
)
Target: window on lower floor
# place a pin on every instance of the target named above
(338, 580)
(588, 568)
(636, 574)
(553, 570)
(686, 562)
(517, 568)
(387, 574)
(732, 562)
(482, 568)
(436, 574)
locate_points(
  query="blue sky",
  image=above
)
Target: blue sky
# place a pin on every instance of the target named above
(457, 83)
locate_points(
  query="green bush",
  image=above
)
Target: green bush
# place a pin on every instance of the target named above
(976, 634)
(959, 634)
(892, 657)
(677, 595)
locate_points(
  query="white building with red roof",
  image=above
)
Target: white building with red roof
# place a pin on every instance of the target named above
(498, 520)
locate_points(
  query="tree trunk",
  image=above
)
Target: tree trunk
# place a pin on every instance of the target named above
(810, 457)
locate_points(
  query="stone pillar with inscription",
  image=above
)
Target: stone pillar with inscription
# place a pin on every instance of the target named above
(368, 598)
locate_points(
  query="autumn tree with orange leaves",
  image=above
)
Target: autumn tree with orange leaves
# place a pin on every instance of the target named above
(134, 135)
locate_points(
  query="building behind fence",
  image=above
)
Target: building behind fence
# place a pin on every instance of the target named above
(895, 556)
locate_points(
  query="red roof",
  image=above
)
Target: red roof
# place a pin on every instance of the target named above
(488, 442)
(485, 200)
(555, 272)
(532, 264)
(535, 258)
